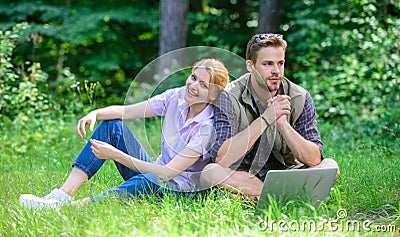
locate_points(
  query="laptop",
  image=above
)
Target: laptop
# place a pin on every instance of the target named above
(312, 184)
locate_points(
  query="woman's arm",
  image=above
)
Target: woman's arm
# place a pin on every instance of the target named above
(138, 110)
(177, 165)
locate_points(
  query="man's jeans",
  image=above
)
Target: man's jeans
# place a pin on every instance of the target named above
(117, 134)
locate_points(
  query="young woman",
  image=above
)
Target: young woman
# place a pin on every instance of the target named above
(186, 136)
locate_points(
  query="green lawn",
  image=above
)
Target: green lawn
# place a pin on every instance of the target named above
(36, 157)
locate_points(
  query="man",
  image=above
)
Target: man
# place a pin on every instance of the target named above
(276, 119)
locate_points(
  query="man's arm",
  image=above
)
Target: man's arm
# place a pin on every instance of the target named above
(225, 123)
(304, 139)
(236, 147)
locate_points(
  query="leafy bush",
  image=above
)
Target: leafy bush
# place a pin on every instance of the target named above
(21, 96)
(349, 61)
(102, 41)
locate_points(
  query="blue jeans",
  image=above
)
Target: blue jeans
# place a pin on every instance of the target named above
(117, 134)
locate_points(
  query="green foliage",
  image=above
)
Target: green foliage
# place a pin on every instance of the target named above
(347, 54)
(223, 24)
(106, 43)
(20, 94)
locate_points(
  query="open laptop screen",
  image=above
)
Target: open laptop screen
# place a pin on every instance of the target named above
(313, 184)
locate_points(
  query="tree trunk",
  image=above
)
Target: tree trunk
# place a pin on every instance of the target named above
(173, 26)
(173, 30)
(269, 16)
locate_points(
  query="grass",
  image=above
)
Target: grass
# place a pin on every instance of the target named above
(36, 156)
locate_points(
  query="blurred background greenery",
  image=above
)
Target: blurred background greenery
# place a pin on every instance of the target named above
(66, 57)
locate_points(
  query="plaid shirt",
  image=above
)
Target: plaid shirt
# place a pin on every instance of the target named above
(225, 122)
(306, 125)
(226, 126)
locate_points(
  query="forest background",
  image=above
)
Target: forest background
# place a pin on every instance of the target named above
(72, 56)
(59, 59)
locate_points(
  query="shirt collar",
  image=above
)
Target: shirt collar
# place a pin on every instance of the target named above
(248, 93)
(205, 114)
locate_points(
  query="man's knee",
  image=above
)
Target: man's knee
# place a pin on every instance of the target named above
(213, 174)
(330, 163)
(208, 173)
(211, 167)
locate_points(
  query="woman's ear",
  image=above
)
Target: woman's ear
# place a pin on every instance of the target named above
(213, 95)
(249, 65)
(213, 92)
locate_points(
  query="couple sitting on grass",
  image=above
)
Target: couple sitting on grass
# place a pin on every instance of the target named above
(209, 137)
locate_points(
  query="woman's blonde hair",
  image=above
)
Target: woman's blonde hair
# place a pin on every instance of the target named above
(219, 75)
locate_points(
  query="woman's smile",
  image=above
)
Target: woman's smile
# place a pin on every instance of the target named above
(197, 86)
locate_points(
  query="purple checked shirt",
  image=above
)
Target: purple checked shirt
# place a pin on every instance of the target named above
(197, 133)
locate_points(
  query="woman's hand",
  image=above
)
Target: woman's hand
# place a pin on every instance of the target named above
(90, 118)
(103, 150)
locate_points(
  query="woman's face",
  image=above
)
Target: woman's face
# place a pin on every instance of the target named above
(197, 86)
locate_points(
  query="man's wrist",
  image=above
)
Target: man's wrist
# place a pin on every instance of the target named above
(264, 119)
(282, 124)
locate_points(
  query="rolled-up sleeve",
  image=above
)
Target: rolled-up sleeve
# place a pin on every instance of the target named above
(225, 123)
(159, 102)
(306, 124)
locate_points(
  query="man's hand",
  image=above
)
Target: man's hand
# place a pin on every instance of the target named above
(90, 118)
(103, 150)
(278, 108)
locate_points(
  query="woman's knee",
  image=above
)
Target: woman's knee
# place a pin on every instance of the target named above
(109, 125)
(112, 122)
(138, 185)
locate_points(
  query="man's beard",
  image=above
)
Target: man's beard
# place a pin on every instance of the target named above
(264, 85)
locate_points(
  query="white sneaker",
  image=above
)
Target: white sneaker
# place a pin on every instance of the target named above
(55, 199)
(33, 202)
(58, 195)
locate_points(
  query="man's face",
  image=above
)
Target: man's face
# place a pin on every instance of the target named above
(270, 66)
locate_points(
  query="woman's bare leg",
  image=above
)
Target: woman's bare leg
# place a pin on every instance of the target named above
(74, 181)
